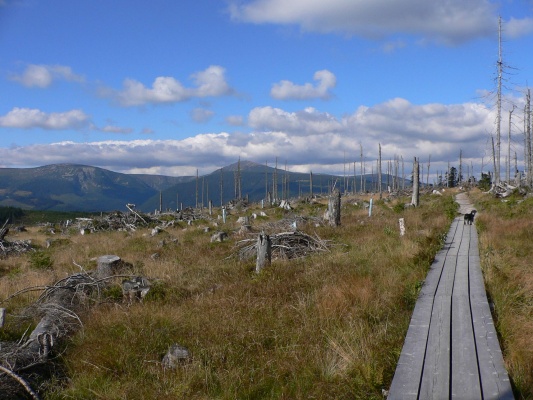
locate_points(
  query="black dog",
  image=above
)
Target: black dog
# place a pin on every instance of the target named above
(470, 217)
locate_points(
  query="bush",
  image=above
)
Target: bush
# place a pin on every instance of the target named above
(41, 260)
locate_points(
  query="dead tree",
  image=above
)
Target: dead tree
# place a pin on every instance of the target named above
(415, 201)
(264, 252)
(334, 208)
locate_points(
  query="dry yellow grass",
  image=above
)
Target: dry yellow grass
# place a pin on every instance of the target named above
(329, 326)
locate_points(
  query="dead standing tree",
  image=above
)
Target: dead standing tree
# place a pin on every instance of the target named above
(334, 208)
(264, 252)
(415, 201)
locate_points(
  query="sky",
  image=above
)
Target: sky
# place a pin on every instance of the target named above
(171, 87)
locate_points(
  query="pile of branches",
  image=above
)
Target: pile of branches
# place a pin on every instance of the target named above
(27, 363)
(503, 190)
(16, 247)
(132, 220)
(115, 221)
(287, 245)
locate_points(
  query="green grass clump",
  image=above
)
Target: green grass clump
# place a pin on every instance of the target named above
(41, 260)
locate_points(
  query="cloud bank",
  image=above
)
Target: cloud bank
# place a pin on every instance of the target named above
(450, 22)
(303, 138)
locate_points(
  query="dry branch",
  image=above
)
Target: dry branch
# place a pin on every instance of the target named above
(58, 309)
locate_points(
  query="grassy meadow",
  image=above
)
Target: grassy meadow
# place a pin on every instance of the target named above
(327, 326)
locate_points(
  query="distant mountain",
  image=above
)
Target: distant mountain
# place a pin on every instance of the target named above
(71, 187)
(162, 182)
(256, 181)
(68, 187)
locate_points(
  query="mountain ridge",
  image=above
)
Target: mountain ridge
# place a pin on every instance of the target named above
(77, 187)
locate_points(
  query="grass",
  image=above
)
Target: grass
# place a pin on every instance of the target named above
(505, 229)
(329, 326)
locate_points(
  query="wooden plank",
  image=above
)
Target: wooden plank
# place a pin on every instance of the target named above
(464, 371)
(406, 381)
(435, 382)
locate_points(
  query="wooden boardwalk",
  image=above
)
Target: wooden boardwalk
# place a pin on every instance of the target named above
(451, 349)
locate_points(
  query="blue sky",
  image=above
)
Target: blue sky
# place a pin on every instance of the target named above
(169, 87)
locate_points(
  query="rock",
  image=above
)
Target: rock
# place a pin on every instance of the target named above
(175, 356)
(219, 237)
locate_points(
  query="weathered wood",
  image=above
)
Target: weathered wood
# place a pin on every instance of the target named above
(415, 200)
(451, 349)
(107, 265)
(334, 208)
(4, 230)
(175, 356)
(264, 252)
(2, 317)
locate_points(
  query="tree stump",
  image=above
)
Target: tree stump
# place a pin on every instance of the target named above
(175, 356)
(108, 265)
(264, 252)
(334, 209)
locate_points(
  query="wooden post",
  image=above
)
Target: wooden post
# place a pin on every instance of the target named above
(402, 226)
(2, 316)
(334, 208)
(210, 207)
(415, 201)
(264, 252)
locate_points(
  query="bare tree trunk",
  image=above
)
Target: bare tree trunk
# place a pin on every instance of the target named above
(415, 201)
(264, 252)
(334, 208)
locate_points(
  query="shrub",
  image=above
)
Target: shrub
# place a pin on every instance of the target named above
(40, 260)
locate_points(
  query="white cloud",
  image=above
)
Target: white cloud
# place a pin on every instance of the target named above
(515, 28)
(27, 118)
(235, 120)
(305, 138)
(286, 90)
(451, 21)
(43, 76)
(165, 89)
(201, 115)
(115, 129)
(306, 122)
